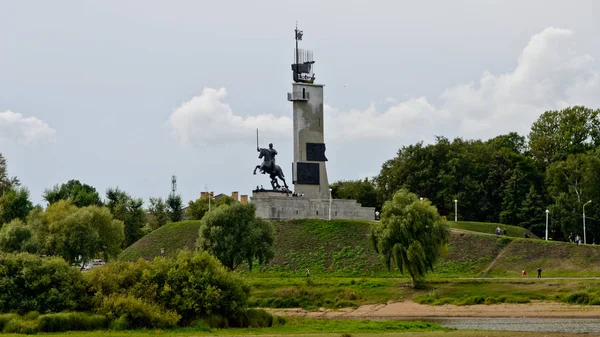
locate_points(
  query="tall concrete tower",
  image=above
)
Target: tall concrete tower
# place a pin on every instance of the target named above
(309, 173)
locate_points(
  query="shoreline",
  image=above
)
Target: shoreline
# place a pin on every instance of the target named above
(410, 310)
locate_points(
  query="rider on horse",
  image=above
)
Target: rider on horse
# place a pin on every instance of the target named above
(269, 163)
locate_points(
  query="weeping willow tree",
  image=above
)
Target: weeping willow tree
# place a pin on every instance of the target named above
(411, 235)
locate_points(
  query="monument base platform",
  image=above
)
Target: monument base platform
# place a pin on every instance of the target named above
(274, 205)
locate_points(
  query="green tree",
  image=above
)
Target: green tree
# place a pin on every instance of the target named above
(571, 183)
(411, 235)
(158, 213)
(557, 134)
(79, 194)
(511, 141)
(196, 209)
(129, 210)
(175, 207)
(6, 182)
(15, 204)
(363, 191)
(234, 235)
(87, 232)
(532, 210)
(16, 237)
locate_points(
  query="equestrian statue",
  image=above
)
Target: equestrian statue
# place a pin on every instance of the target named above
(268, 165)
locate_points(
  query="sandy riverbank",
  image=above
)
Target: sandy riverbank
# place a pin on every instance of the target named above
(411, 309)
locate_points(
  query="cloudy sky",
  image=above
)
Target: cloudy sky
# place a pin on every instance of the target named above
(129, 92)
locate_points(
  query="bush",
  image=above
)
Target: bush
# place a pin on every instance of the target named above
(5, 318)
(137, 313)
(30, 282)
(17, 325)
(256, 318)
(71, 321)
(195, 285)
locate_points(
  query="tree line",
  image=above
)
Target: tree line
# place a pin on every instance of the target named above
(510, 179)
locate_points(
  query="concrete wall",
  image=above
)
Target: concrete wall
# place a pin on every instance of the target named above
(278, 206)
(308, 128)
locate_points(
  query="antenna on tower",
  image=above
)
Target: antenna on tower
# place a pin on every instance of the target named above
(173, 184)
(303, 61)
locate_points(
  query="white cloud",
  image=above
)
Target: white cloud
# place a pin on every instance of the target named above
(549, 74)
(206, 119)
(13, 126)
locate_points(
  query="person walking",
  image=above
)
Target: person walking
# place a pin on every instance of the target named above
(540, 272)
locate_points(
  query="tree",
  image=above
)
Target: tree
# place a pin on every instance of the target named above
(17, 237)
(175, 205)
(158, 213)
(6, 182)
(129, 210)
(87, 232)
(557, 134)
(411, 235)
(196, 209)
(79, 194)
(363, 191)
(532, 210)
(234, 235)
(15, 204)
(571, 183)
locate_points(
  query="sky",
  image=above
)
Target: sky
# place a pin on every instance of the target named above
(127, 93)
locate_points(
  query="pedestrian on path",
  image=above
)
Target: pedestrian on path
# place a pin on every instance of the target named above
(539, 272)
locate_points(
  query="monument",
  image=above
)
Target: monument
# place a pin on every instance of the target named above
(311, 197)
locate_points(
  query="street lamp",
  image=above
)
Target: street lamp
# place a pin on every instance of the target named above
(547, 211)
(330, 204)
(455, 210)
(584, 240)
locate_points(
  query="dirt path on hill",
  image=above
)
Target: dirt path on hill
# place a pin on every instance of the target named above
(493, 263)
(408, 309)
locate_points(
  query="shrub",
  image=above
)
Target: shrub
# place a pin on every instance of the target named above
(137, 313)
(5, 318)
(30, 282)
(17, 325)
(256, 318)
(195, 285)
(71, 321)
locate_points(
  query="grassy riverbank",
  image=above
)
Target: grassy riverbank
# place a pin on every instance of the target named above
(293, 326)
(331, 292)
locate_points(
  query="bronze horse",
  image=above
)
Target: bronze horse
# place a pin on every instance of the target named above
(267, 166)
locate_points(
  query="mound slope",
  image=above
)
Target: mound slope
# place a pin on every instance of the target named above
(340, 247)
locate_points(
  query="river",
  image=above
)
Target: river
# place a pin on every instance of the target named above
(566, 325)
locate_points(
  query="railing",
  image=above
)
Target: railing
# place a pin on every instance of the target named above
(298, 96)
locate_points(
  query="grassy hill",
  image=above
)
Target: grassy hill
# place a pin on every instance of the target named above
(171, 237)
(490, 228)
(343, 248)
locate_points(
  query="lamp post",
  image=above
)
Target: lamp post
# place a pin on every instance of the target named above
(455, 210)
(547, 211)
(330, 204)
(584, 236)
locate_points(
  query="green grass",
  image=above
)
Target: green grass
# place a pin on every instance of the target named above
(342, 248)
(171, 237)
(335, 292)
(292, 326)
(490, 228)
(328, 292)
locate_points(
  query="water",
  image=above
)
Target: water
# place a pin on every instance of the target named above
(566, 325)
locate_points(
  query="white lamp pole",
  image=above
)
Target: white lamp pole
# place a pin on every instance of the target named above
(330, 204)
(584, 236)
(547, 211)
(455, 210)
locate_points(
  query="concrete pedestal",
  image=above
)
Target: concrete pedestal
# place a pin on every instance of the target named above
(279, 206)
